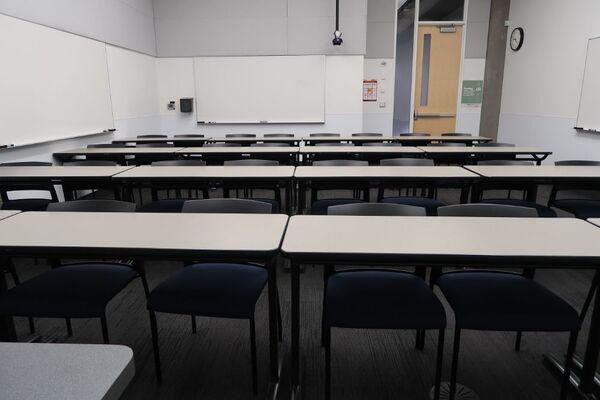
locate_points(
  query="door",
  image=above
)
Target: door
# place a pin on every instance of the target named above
(437, 77)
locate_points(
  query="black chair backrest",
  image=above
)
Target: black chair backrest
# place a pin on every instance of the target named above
(26, 164)
(341, 163)
(227, 206)
(382, 144)
(494, 144)
(368, 134)
(151, 136)
(278, 135)
(107, 146)
(93, 206)
(269, 144)
(377, 209)
(577, 162)
(415, 134)
(487, 210)
(178, 163)
(240, 135)
(251, 162)
(189, 135)
(407, 162)
(324, 135)
(456, 134)
(505, 162)
(446, 144)
(90, 163)
(334, 144)
(223, 144)
(155, 145)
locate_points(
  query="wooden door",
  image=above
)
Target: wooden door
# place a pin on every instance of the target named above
(437, 78)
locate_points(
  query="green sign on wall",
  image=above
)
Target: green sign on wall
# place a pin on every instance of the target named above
(472, 92)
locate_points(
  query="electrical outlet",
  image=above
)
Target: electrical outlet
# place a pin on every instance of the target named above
(171, 106)
(382, 104)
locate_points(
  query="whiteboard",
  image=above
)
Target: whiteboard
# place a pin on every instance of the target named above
(269, 89)
(53, 85)
(588, 117)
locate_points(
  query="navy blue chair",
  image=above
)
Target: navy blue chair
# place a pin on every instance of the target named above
(26, 204)
(240, 135)
(152, 136)
(582, 208)
(276, 135)
(426, 199)
(223, 144)
(78, 290)
(380, 298)
(456, 134)
(324, 135)
(248, 191)
(269, 144)
(504, 301)
(368, 134)
(219, 290)
(320, 206)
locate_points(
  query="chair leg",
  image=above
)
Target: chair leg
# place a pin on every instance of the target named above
(279, 320)
(104, 329)
(13, 273)
(518, 341)
(438, 366)
(327, 339)
(194, 328)
(568, 365)
(420, 339)
(31, 325)
(139, 267)
(453, 373)
(69, 327)
(253, 357)
(154, 331)
(328, 270)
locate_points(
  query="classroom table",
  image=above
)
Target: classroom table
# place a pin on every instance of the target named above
(309, 177)
(442, 242)
(142, 236)
(369, 153)
(271, 177)
(247, 141)
(287, 155)
(526, 177)
(468, 155)
(423, 140)
(70, 177)
(177, 141)
(8, 213)
(53, 371)
(118, 153)
(405, 140)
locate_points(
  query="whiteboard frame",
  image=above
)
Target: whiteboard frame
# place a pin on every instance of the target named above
(583, 128)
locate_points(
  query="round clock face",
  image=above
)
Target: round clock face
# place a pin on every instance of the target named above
(516, 39)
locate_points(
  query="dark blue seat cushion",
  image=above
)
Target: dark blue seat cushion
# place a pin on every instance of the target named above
(430, 205)
(211, 290)
(274, 203)
(543, 211)
(320, 207)
(76, 291)
(377, 299)
(582, 208)
(502, 301)
(26, 204)
(163, 206)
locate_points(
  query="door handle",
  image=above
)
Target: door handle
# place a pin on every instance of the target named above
(433, 115)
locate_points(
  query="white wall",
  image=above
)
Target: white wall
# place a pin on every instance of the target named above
(186, 28)
(125, 23)
(542, 81)
(343, 108)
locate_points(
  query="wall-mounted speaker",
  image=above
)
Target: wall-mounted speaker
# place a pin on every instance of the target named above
(186, 105)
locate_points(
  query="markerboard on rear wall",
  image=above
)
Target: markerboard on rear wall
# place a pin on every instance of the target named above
(588, 117)
(268, 89)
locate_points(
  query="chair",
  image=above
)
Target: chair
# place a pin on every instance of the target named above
(156, 144)
(494, 144)
(193, 139)
(325, 135)
(503, 301)
(582, 208)
(78, 290)
(166, 163)
(247, 189)
(223, 144)
(108, 146)
(90, 163)
(456, 134)
(368, 134)
(333, 144)
(319, 207)
(379, 298)
(151, 136)
(220, 290)
(189, 136)
(426, 199)
(382, 144)
(270, 144)
(31, 203)
(240, 135)
(276, 135)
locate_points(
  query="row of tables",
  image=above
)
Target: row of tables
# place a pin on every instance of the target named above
(563, 243)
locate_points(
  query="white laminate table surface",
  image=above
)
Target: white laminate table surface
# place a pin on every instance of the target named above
(440, 138)
(8, 213)
(537, 171)
(238, 150)
(442, 236)
(60, 171)
(122, 150)
(383, 172)
(227, 171)
(52, 371)
(482, 150)
(359, 149)
(169, 232)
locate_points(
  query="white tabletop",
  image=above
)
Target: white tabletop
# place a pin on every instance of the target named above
(60, 171)
(166, 233)
(483, 150)
(238, 150)
(595, 221)
(121, 150)
(7, 213)
(537, 171)
(256, 139)
(441, 236)
(346, 138)
(227, 171)
(51, 371)
(383, 172)
(359, 149)
(438, 138)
